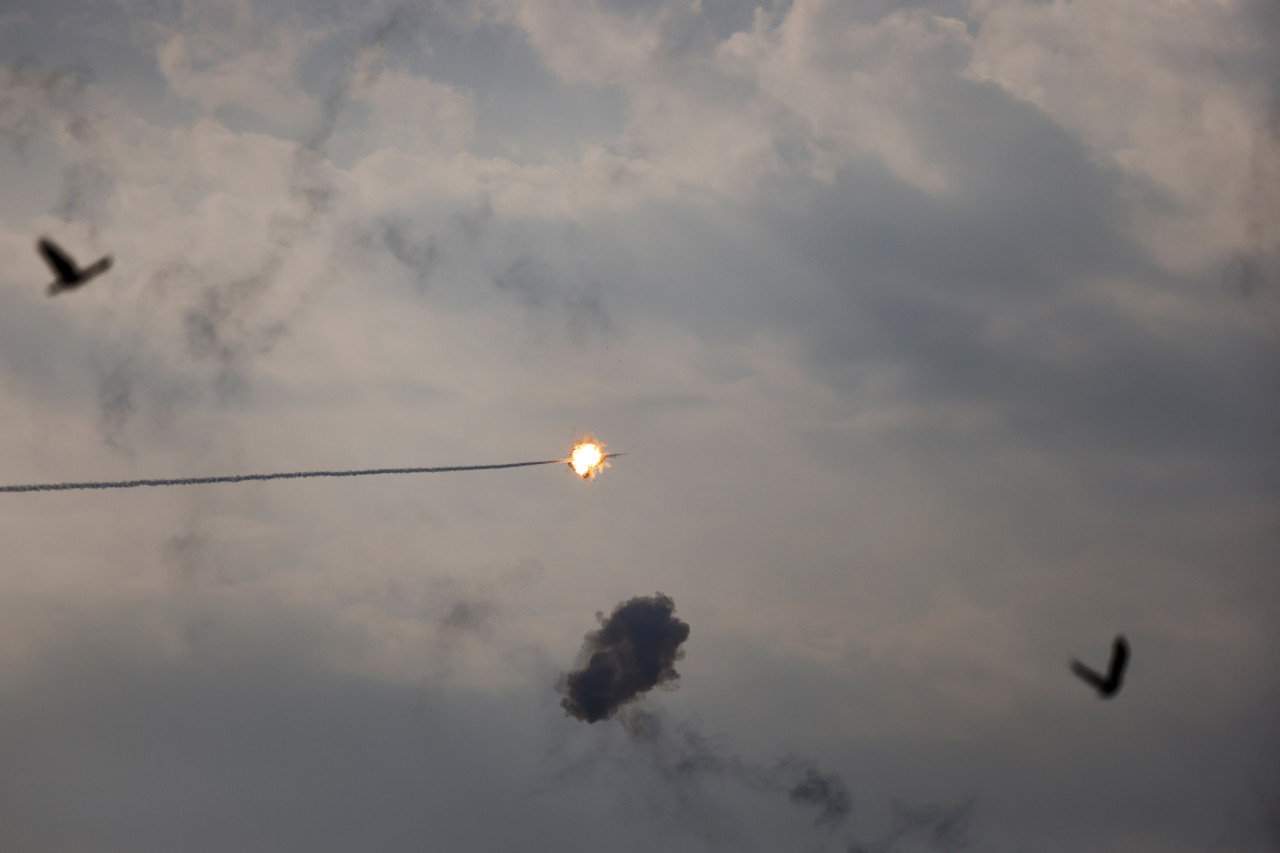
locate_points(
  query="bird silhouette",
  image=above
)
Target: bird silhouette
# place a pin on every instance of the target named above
(69, 275)
(1108, 685)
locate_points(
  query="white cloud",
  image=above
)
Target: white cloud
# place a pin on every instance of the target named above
(414, 113)
(226, 55)
(803, 91)
(1152, 86)
(922, 470)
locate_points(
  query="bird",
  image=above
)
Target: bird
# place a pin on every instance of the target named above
(69, 275)
(1108, 685)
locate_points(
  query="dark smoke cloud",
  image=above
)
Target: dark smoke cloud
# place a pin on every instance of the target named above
(634, 650)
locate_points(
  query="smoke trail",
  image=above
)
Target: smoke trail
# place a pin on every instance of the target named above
(241, 478)
(677, 770)
(944, 828)
(230, 318)
(686, 756)
(634, 650)
(287, 475)
(33, 99)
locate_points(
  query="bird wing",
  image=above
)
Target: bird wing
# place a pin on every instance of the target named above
(98, 267)
(1119, 660)
(58, 260)
(1089, 676)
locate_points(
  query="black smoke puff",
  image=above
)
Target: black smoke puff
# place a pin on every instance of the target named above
(634, 650)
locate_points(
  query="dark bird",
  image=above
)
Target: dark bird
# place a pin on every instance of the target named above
(69, 275)
(1109, 685)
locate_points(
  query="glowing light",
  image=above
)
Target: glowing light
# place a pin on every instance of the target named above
(587, 457)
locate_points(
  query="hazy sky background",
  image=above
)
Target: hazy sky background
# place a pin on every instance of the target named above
(942, 338)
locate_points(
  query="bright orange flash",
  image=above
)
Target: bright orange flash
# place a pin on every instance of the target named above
(587, 457)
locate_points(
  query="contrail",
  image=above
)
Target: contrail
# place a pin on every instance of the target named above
(289, 475)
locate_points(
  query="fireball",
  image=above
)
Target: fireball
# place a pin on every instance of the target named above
(587, 457)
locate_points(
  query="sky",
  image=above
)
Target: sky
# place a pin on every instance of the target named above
(942, 338)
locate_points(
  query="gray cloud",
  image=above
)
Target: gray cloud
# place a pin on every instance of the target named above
(954, 298)
(901, 451)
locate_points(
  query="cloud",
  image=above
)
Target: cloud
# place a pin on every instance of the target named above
(806, 90)
(226, 55)
(235, 306)
(1162, 90)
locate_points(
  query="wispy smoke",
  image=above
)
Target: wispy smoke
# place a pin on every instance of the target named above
(419, 252)
(539, 287)
(942, 829)
(33, 98)
(115, 400)
(230, 319)
(676, 769)
(467, 616)
(634, 650)
(826, 791)
(683, 755)
(218, 324)
(419, 255)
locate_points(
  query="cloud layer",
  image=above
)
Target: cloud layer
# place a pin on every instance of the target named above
(941, 339)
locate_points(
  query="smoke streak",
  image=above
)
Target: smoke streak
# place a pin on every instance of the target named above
(241, 478)
(287, 475)
(944, 828)
(677, 770)
(683, 755)
(635, 649)
(34, 99)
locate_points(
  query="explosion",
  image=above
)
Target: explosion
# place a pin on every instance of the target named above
(587, 457)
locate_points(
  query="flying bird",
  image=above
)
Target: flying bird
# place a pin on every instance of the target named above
(1108, 685)
(69, 275)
